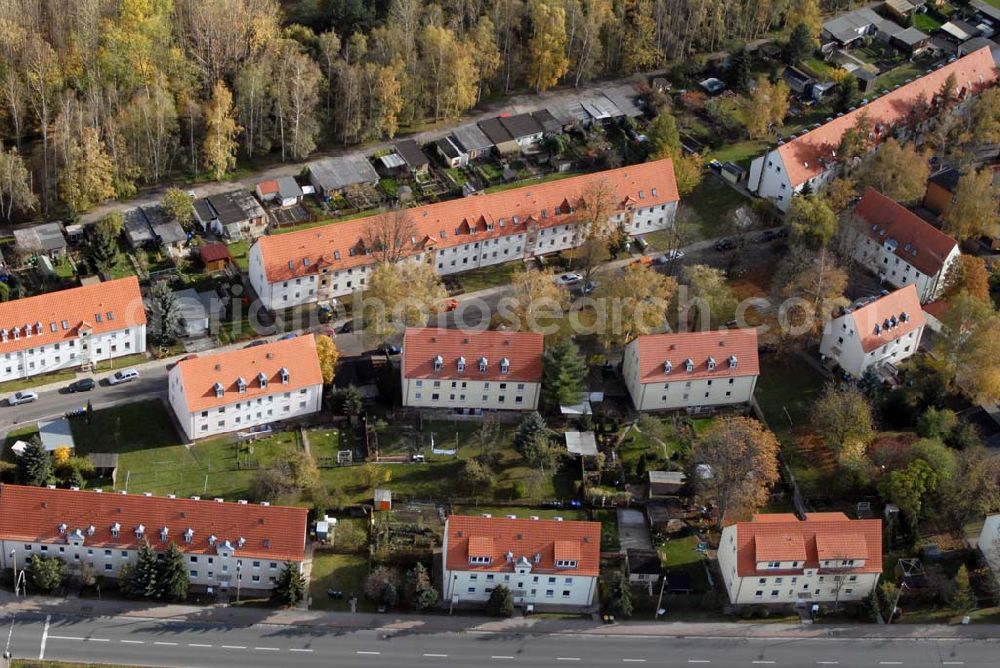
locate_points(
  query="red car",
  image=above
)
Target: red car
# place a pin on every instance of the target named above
(449, 305)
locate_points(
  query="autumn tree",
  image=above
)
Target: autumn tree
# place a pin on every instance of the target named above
(799, 45)
(586, 21)
(87, 179)
(743, 457)
(843, 416)
(634, 304)
(856, 141)
(639, 43)
(664, 142)
(296, 87)
(812, 221)
(327, 353)
(179, 205)
(806, 13)
(15, 185)
(969, 275)
(985, 117)
(388, 236)
(595, 227)
(765, 107)
(400, 295)
(46, 573)
(810, 289)
(967, 349)
(547, 61)
(973, 209)
(449, 72)
(221, 132)
(908, 487)
(485, 53)
(534, 300)
(846, 95)
(898, 172)
(709, 299)
(418, 591)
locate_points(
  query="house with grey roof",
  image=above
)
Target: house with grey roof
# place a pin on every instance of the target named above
(413, 156)
(525, 130)
(473, 141)
(451, 153)
(851, 27)
(235, 214)
(42, 239)
(151, 227)
(332, 175)
(500, 136)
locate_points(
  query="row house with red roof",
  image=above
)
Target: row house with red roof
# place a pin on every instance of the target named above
(238, 390)
(323, 263)
(71, 328)
(471, 369)
(780, 559)
(225, 545)
(811, 158)
(543, 562)
(875, 332)
(901, 247)
(691, 370)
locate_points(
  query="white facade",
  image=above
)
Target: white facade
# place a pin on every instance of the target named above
(842, 343)
(518, 244)
(989, 543)
(85, 349)
(241, 414)
(769, 179)
(562, 588)
(796, 582)
(483, 394)
(881, 259)
(218, 570)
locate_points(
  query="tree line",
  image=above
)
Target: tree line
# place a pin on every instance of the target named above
(101, 97)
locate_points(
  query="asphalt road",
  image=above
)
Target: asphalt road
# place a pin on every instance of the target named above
(121, 640)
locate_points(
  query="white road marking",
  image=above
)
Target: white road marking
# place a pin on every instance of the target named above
(45, 636)
(97, 639)
(439, 656)
(195, 644)
(502, 657)
(299, 650)
(80, 638)
(953, 663)
(762, 662)
(567, 658)
(699, 661)
(828, 663)
(368, 653)
(234, 647)
(633, 661)
(169, 644)
(890, 663)
(133, 642)
(267, 649)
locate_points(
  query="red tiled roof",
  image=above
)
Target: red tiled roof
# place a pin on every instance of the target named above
(199, 375)
(67, 311)
(522, 349)
(936, 308)
(917, 242)
(822, 535)
(881, 311)
(34, 514)
(523, 538)
(803, 155)
(538, 205)
(268, 187)
(657, 349)
(214, 252)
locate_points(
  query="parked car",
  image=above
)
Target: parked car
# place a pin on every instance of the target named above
(715, 164)
(588, 287)
(82, 385)
(449, 305)
(254, 344)
(290, 335)
(569, 279)
(22, 397)
(641, 244)
(388, 349)
(123, 376)
(640, 261)
(346, 328)
(672, 254)
(725, 244)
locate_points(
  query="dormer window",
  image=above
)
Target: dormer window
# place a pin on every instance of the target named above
(732, 361)
(115, 530)
(438, 363)
(189, 535)
(504, 365)
(98, 317)
(65, 324)
(305, 262)
(516, 220)
(667, 367)
(262, 380)
(91, 530)
(285, 377)
(291, 264)
(461, 364)
(336, 255)
(484, 364)
(904, 317)
(479, 561)
(878, 329)
(689, 365)
(164, 532)
(140, 531)
(219, 391)
(241, 385)
(53, 328)
(241, 541)
(711, 363)
(212, 540)
(62, 528)
(566, 563)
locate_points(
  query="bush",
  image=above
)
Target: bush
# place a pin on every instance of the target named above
(519, 490)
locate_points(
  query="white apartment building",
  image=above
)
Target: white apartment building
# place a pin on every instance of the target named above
(811, 158)
(781, 559)
(470, 369)
(691, 370)
(221, 542)
(542, 562)
(901, 247)
(323, 263)
(874, 332)
(71, 328)
(240, 389)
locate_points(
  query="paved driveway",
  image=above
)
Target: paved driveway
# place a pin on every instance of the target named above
(633, 531)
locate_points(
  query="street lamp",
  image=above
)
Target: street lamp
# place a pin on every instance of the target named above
(13, 555)
(239, 580)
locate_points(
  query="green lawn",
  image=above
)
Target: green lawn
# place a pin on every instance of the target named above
(742, 153)
(323, 221)
(817, 67)
(389, 186)
(785, 391)
(714, 201)
(929, 24)
(64, 269)
(457, 175)
(488, 277)
(240, 250)
(123, 267)
(554, 176)
(65, 375)
(342, 572)
(899, 75)
(679, 554)
(324, 444)
(152, 458)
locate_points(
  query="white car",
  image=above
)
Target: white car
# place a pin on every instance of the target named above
(568, 279)
(23, 397)
(673, 254)
(123, 376)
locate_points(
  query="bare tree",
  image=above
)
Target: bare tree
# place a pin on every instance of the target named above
(595, 226)
(390, 235)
